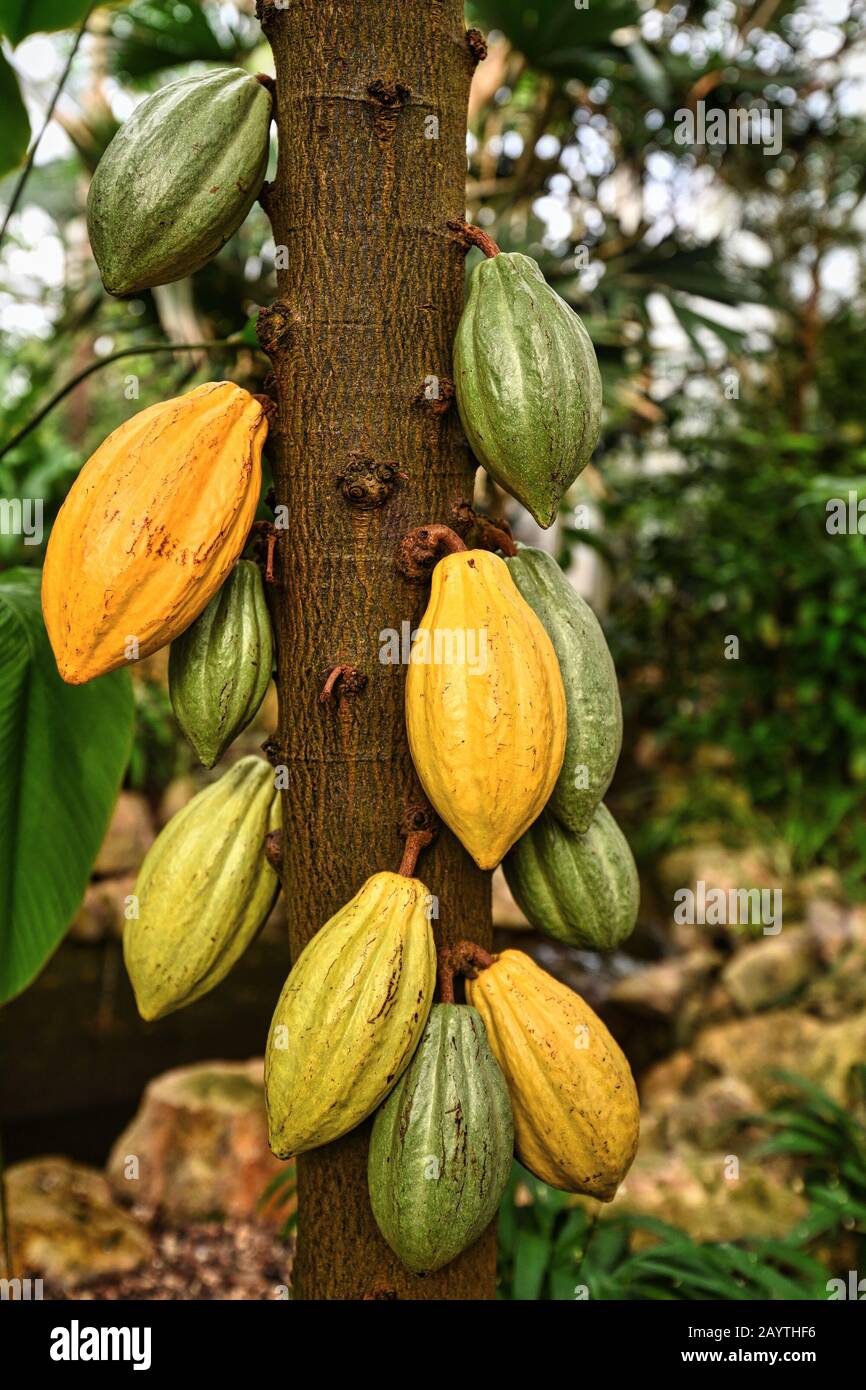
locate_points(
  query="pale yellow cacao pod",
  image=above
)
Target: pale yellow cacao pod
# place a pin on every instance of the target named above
(204, 890)
(350, 1014)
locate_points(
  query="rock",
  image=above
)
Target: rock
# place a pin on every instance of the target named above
(822, 882)
(662, 988)
(699, 1009)
(719, 867)
(841, 990)
(102, 913)
(771, 971)
(664, 1082)
(128, 838)
(857, 925)
(712, 1197)
(506, 913)
(65, 1225)
(712, 1116)
(198, 1146)
(835, 929)
(753, 1048)
(841, 1047)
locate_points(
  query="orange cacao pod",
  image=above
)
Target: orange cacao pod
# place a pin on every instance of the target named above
(151, 527)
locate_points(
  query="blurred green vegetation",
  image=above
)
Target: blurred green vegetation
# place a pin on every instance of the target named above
(732, 542)
(555, 1247)
(723, 287)
(551, 1248)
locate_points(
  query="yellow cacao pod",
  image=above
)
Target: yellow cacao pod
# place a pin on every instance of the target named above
(350, 1015)
(151, 527)
(204, 890)
(485, 705)
(576, 1114)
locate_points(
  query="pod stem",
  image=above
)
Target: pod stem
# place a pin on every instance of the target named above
(445, 976)
(488, 534)
(342, 680)
(465, 958)
(415, 842)
(420, 549)
(469, 235)
(268, 531)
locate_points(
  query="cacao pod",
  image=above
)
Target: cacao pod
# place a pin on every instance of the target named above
(150, 528)
(576, 1114)
(441, 1147)
(580, 889)
(220, 668)
(594, 738)
(485, 707)
(204, 890)
(527, 383)
(178, 179)
(350, 1015)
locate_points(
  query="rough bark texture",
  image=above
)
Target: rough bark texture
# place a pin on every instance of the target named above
(366, 311)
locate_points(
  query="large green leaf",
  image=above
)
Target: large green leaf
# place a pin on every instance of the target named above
(531, 1258)
(18, 18)
(151, 35)
(556, 35)
(697, 270)
(16, 126)
(63, 751)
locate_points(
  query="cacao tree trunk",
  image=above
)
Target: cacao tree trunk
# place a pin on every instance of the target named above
(371, 99)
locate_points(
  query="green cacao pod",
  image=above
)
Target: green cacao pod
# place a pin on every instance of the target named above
(527, 382)
(219, 669)
(594, 736)
(204, 890)
(350, 1015)
(442, 1144)
(178, 179)
(580, 889)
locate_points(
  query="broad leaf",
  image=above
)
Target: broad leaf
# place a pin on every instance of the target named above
(531, 1258)
(63, 752)
(16, 126)
(557, 35)
(151, 35)
(18, 18)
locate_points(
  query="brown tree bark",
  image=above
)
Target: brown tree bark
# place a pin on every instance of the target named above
(371, 100)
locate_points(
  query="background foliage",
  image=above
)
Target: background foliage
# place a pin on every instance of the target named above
(721, 284)
(723, 287)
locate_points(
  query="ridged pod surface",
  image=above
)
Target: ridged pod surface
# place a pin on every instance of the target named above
(580, 889)
(527, 383)
(576, 1114)
(178, 179)
(151, 527)
(594, 738)
(485, 707)
(350, 1015)
(442, 1143)
(220, 668)
(204, 890)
